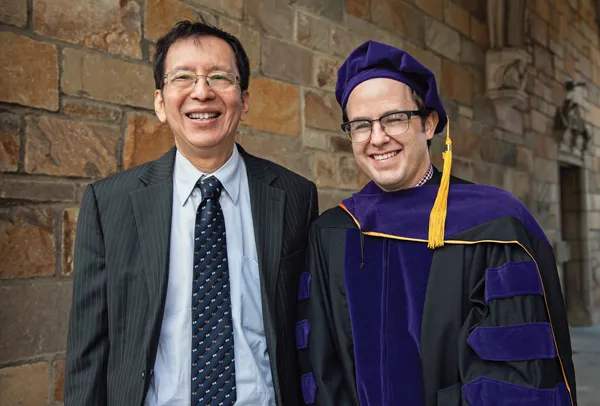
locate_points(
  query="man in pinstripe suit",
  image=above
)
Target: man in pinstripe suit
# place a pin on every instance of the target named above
(132, 326)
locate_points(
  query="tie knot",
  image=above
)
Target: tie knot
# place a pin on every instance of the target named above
(211, 187)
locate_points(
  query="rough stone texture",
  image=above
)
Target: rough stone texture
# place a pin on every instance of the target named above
(480, 32)
(469, 143)
(40, 190)
(316, 139)
(251, 41)
(13, 12)
(340, 143)
(96, 76)
(280, 149)
(524, 159)
(472, 53)
(312, 32)
(457, 83)
(59, 380)
(400, 18)
(24, 385)
(475, 7)
(341, 42)
(88, 109)
(347, 172)
(68, 239)
(331, 198)
(233, 8)
(146, 139)
(359, 8)
(539, 122)
(442, 39)
(326, 72)
(321, 112)
(34, 319)
(273, 17)
(160, 15)
(109, 25)
(274, 107)
(539, 30)
(457, 17)
(68, 148)
(498, 152)
(434, 8)
(26, 245)
(23, 59)
(331, 9)
(325, 170)
(10, 141)
(286, 62)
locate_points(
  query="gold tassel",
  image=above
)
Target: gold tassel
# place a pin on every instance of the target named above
(437, 218)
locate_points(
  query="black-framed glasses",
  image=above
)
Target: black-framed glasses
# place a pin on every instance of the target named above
(186, 80)
(394, 124)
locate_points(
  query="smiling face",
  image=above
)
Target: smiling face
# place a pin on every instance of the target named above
(203, 120)
(398, 162)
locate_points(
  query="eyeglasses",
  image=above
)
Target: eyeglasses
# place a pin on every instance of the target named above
(394, 124)
(186, 80)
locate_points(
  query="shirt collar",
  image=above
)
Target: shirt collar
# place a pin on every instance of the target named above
(187, 175)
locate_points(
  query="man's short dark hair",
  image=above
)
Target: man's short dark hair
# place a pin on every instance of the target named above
(188, 29)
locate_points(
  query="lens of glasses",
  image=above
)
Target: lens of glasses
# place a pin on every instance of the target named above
(216, 80)
(395, 124)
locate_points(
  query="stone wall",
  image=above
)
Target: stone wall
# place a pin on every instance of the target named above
(76, 105)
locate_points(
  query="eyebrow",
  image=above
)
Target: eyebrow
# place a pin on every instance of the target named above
(368, 118)
(212, 68)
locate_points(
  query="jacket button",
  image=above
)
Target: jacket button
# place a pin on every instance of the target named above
(151, 372)
(143, 375)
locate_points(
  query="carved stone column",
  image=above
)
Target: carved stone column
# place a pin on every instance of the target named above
(506, 60)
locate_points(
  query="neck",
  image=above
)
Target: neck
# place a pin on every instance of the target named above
(208, 160)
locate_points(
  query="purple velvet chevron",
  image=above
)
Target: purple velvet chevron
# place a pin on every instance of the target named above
(309, 388)
(519, 342)
(490, 392)
(512, 279)
(406, 212)
(304, 287)
(302, 333)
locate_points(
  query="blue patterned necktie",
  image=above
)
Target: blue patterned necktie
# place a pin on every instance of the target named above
(213, 369)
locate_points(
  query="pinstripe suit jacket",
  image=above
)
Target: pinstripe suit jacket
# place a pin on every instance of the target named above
(121, 267)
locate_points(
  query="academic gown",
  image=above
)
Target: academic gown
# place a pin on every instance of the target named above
(384, 320)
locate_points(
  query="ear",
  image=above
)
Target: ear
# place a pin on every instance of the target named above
(431, 122)
(159, 106)
(245, 105)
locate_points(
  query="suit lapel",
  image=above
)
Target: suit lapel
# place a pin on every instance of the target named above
(152, 207)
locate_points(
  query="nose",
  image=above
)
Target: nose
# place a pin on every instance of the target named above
(201, 90)
(378, 135)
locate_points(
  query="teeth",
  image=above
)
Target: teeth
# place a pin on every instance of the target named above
(385, 156)
(202, 116)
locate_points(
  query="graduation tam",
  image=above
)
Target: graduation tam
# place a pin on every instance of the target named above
(376, 60)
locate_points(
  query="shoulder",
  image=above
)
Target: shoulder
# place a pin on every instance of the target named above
(335, 217)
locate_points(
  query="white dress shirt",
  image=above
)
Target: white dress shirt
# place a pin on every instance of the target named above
(170, 385)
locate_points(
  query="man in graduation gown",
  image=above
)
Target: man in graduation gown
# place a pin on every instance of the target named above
(423, 289)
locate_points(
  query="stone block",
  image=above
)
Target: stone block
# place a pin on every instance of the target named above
(286, 62)
(325, 72)
(434, 8)
(111, 25)
(325, 170)
(59, 380)
(331, 9)
(457, 17)
(274, 107)
(539, 122)
(27, 244)
(61, 147)
(23, 59)
(468, 144)
(359, 8)
(37, 190)
(70, 216)
(443, 40)
(98, 77)
(340, 143)
(161, 15)
(146, 139)
(462, 169)
(331, 198)
(312, 32)
(34, 320)
(457, 83)
(361, 178)
(472, 53)
(498, 152)
(14, 12)
(543, 60)
(476, 8)
(10, 141)
(347, 173)
(321, 111)
(400, 18)
(545, 170)
(89, 109)
(480, 32)
(24, 385)
(315, 139)
(286, 151)
(524, 159)
(539, 30)
(232, 8)
(272, 17)
(341, 42)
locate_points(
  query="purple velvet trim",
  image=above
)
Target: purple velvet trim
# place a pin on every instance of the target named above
(302, 333)
(490, 392)
(512, 279)
(309, 388)
(519, 342)
(406, 213)
(304, 287)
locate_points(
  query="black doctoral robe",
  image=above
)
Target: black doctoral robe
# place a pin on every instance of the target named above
(384, 320)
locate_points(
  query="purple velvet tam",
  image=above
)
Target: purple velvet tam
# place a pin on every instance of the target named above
(375, 60)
